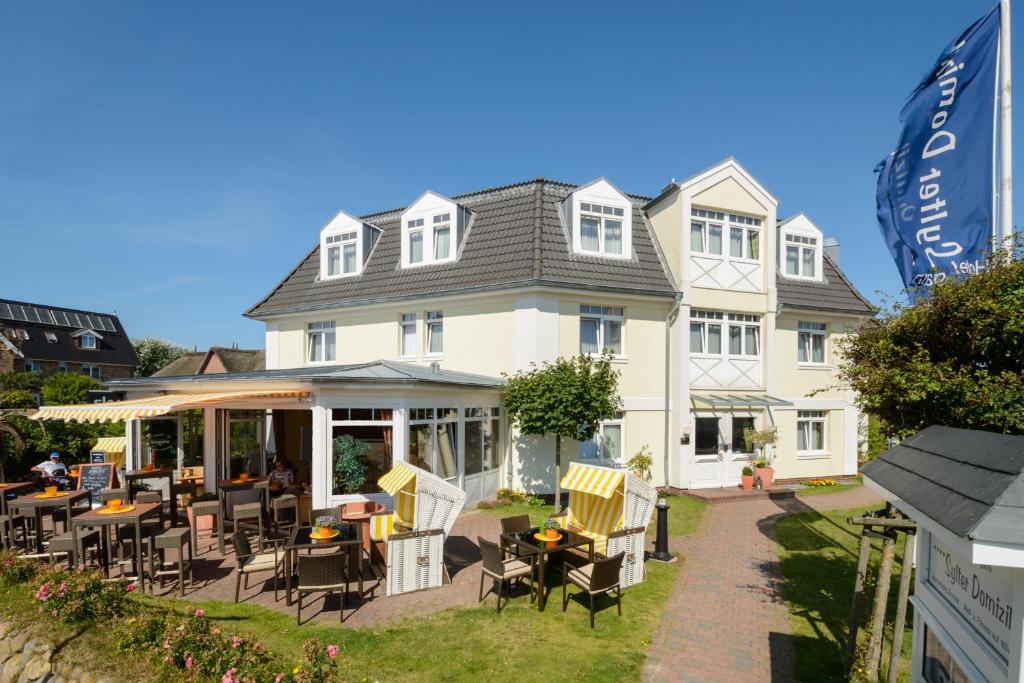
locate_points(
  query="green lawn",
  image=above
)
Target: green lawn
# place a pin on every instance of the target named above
(823, 490)
(819, 563)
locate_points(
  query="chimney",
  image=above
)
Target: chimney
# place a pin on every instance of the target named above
(435, 368)
(831, 245)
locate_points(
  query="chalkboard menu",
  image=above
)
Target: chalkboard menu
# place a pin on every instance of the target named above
(95, 477)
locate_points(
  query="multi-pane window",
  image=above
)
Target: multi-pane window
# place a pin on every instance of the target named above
(341, 254)
(482, 445)
(442, 236)
(320, 342)
(740, 427)
(51, 337)
(801, 256)
(811, 342)
(606, 444)
(435, 332)
(33, 366)
(601, 228)
(433, 440)
(743, 332)
(601, 329)
(415, 237)
(408, 332)
(87, 341)
(810, 431)
(709, 229)
(91, 371)
(62, 368)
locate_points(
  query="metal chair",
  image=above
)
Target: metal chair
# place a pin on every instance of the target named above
(244, 513)
(247, 562)
(514, 525)
(501, 569)
(175, 538)
(9, 524)
(322, 574)
(597, 578)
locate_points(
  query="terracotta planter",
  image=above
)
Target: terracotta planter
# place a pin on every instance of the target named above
(747, 482)
(205, 522)
(551, 533)
(766, 474)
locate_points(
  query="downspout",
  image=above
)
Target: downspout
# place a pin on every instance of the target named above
(669, 320)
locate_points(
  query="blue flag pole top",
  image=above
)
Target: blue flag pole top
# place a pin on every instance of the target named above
(935, 193)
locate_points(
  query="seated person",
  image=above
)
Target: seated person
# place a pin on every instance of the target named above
(280, 476)
(53, 469)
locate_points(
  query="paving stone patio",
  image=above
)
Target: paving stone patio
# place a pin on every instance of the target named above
(726, 620)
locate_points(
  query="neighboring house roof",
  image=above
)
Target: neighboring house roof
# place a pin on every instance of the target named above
(516, 237)
(216, 359)
(834, 293)
(381, 371)
(112, 348)
(970, 482)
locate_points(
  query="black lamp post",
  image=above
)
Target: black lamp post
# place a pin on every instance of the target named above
(661, 553)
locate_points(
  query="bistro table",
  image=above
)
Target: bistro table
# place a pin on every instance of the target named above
(529, 545)
(12, 489)
(164, 473)
(350, 538)
(38, 502)
(134, 517)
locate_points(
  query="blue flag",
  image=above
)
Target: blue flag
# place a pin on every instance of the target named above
(935, 192)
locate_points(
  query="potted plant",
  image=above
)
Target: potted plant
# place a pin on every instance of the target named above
(552, 530)
(349, 463)
(640, 464)
(205, 522)
(748, 478)
(762, 442)
(324, 525)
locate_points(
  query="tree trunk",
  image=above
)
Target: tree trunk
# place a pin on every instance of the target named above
(558, 473)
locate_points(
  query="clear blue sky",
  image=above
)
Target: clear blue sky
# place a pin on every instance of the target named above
(173, 161)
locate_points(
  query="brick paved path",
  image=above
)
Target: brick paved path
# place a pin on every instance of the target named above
(726, 619)
(215, 580)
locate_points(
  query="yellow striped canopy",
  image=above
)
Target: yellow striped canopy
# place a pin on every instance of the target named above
(116, 411)
(592, 479)
(400, 482)
(113, 446)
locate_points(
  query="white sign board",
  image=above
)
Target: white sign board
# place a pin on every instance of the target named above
(982, 595)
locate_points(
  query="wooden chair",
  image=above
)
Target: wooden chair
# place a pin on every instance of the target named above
(597, 578)
(247, 562)
(322, 574)
(501, 569)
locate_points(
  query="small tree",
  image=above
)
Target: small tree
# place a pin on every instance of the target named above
(349, 466)
(155, 354)
(566, 398)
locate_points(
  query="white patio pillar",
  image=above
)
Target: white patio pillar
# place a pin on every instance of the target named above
(132, 445)
(320, 468)
(400, 436)
(181, 443)
(210, 474)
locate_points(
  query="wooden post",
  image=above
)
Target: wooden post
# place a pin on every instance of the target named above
(858, 592)
(901, 607)
(874, 655)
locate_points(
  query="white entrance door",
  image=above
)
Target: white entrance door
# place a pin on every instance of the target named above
(719, 453)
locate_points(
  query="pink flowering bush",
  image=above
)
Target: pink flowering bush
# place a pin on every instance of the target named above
(319, 663)
(14, 571)
(73, 597)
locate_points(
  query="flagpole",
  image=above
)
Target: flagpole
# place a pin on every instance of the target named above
(1006, 130)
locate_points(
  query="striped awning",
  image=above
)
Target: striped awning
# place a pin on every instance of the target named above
(110, 444)
(116, 411)
(397, 479)
(593, 479)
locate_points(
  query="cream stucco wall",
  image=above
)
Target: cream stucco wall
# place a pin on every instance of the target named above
(788, 465)
(664, 217)
(795, 380)
(730, 195)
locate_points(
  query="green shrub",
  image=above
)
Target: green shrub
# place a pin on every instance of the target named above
(14, 571)
(349, 466)
(73, 597)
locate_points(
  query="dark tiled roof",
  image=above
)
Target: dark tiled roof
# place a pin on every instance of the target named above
(196, 362)
(970, 482)
(113, 349)
(833, 293)
(516, 237)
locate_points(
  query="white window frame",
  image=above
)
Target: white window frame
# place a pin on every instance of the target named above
(434, 416)
(321, 329)
(414, 227)
(438, 222)
(427, 224)
(806, 332)
(749, 324)
(801, 243)
(807, 417)
(51, 337)
(434, 320)
(340, 241)
(604, 315)
(481, 415)
(405, 321)
(83, 338)
(726, 223)
(602, 213)
(91, 370)
(21, 334)
(598, 441)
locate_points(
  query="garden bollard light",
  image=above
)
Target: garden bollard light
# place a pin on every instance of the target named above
(661, 553)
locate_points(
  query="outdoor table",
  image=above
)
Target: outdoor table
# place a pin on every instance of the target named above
(166, 473)
(528, 544)
(15, 487)
(350, 538)
(134, 517)
(65, 499)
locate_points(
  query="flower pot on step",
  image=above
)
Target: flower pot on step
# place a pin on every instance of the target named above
(747, 482)
(766, 474)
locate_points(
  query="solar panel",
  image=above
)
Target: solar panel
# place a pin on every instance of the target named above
(107, 324)
(5, 311)
(18, 313)
(61, 318)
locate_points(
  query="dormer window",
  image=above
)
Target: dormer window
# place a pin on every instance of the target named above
(345, 245)
(87, 341)
(802, 256)
(432, 230)
(601, 220)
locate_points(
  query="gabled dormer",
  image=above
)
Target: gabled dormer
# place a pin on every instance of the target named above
(800, 248)
(345, 244)
(433, 228)
(87, 339)
(600, 220)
